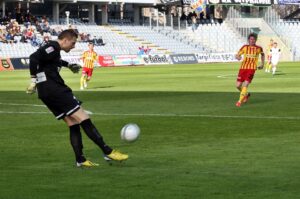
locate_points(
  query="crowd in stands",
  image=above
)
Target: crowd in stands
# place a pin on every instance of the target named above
(29, 29)
(83, 37)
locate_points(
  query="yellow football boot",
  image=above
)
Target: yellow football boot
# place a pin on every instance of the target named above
(86, 163)
(116, 155)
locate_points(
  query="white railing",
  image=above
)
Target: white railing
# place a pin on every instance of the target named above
(273, 19)
(235, 20)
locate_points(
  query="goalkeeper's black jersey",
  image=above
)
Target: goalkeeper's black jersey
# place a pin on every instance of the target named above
(45, 64)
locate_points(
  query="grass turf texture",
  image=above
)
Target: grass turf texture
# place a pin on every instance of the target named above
(194, 143)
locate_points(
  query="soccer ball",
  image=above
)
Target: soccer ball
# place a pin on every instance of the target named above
(130, 132)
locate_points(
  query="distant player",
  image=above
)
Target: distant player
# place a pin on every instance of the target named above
(248, 67)
(269, 65)
(275, 54)
(88, 57)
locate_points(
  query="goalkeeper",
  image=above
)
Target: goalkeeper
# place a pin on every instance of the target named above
(45, 65)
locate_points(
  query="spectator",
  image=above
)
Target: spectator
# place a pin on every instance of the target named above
(100, 42)
(45, 40)
(38, 27)
(45, 26)
(2, 36)
(29, 33)
(141, 50)
(90, 38)
(147, 50)
(10, 37)
(194, 23)
(35, 41)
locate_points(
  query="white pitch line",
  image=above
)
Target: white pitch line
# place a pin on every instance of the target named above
(22, 112)
(225, 76)
(13, 104)
(196, 115)
(35, 105)
(168, 115)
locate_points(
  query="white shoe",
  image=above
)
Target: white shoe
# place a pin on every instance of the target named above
(85, 85)
(81, 88)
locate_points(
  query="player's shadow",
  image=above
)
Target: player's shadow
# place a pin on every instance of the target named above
(279, 73)
(99, 87)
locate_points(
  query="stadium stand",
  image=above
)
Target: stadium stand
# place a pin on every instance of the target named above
(287, 31)
(125, 36)
(216, 37)
(290, 31)
(162, 40)
(115, 44)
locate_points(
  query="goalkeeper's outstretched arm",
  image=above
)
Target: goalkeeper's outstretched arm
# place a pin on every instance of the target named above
(33, 66)
(73, 67)
(64, 63)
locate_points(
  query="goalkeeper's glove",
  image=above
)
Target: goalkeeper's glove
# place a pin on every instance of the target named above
(32, 86)
(74, 67)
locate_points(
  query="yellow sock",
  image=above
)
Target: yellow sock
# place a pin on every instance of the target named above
(243, 94)
(82, 79)
(269, 66)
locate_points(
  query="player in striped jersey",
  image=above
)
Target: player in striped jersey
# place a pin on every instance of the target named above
(248, 67)
(269, 56)
(88, 57)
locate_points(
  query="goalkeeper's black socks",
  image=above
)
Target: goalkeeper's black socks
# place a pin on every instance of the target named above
(94, 135)
(76, 142)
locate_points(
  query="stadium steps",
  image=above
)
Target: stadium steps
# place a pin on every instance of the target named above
(154, 47)
(213, 38)
(266, 33)
(162, 41)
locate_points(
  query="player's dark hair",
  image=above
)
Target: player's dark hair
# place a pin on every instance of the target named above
(252, 35)
(69, 33)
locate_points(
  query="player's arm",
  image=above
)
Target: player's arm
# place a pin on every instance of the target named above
(33, 63)
(95, 57)
(72, 66)
(238, 56)
(64, 63)
(262, 58)
(33, 66)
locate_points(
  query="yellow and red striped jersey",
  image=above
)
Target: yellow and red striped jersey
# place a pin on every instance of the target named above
(250, 54)
(89, 57)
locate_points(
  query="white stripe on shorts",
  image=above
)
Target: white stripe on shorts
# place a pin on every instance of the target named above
(71, 111)
(59, 116)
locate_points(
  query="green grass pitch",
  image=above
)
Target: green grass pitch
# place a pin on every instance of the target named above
(194, 142)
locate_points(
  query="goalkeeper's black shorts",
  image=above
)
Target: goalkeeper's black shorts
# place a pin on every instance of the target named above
(61, 104)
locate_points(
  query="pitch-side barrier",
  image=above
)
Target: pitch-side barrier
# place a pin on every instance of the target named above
(130, 60)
